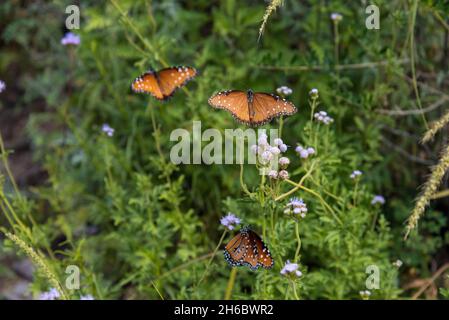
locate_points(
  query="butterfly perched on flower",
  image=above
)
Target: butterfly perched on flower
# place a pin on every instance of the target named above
(252, 108)
(162, 84)
(248, 249)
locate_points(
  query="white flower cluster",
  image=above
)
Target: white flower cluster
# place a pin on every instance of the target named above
(322, 116)
(304, 152)
(297, 207)
(284, 91)
(266, 154)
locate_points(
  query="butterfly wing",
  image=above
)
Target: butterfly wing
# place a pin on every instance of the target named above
(171, 79)
(264, 257)
(248, 249)
(147, 83)
(234, 250)
(234, 101)
(268, 106)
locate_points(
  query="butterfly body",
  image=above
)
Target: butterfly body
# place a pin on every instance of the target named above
(162, 84)
(248, 249)
(252, 108)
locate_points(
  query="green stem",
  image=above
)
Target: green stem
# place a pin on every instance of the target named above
(230, 284)
(412, 61)
(298, 239)
(212, 258)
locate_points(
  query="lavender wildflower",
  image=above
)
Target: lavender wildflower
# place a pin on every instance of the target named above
(52, 294)
(296, 206)
(230, 221)
(378, 199)
(355, 174)
(71, 39)
(304, 152)
(108, 130)
(284, 91)
(87, 297)
(322, 116)
(291, 269)
(2, 86)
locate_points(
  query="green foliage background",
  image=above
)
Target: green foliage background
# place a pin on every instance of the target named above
(140, 227)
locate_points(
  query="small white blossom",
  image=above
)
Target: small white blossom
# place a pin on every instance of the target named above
(266, 156)
(284, 91)
(291, 269)
(263, 139)
(283, 147)
(273, 174)
(278, 142)
(355, 174)
(2, 86)
(398, 263)
(313, 93)
(284, 162)
(337, 17)
(365, 294)
(275, 150)
(297, 207)
(87, 297)
(283, 174)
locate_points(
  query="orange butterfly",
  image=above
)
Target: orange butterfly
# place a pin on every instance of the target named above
(163, 83)
(248, 249)
(252, 108)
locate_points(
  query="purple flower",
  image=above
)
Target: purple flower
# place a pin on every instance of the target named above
(304, 152)
(230, 221)
(291, 269)
(87, 297)
(322, 116)
(52, 294)
(108, 130)
(70, 39)
(283, 147)
(278, 142)
(2, 86)
(378, 199)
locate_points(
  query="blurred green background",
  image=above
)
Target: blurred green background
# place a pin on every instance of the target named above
(139, 227)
